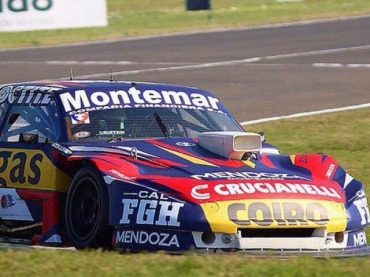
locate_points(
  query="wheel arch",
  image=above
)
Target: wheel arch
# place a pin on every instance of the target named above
(84, 167)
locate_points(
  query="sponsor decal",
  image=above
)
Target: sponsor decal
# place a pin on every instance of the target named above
(12, 207)
(185, 144)
(363, 208)
(28, 95)
(359, 239)
(5, 94)
(285, 214)
(17, 6)
(7, 201)
(30, 169)
(82, 134)
(120, 175)
(80, 118)
(329, 172)
(246, 175)
(110, 133)
(205, 191)
(150, 208)
(20, 168)
(61, 148)
(303, 159)
(275, 213)
(80, 100)
(161, 239)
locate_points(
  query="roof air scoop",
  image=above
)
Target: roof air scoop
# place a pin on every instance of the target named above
(232, 145)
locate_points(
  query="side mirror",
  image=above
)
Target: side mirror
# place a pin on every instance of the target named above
(29, 138)
(262, 134)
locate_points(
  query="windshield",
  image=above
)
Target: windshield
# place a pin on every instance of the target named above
(146, 123)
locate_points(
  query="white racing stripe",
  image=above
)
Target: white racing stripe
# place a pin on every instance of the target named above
(296, 115)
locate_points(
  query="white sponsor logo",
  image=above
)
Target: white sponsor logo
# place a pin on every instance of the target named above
(359, 239)
(61, 148)
(105, 133)
(147, 98)
(82, 134)
(28, 95)
(151, 209)
(121, 175)
(142, 237)
(330, 171)
(203, 191)
(5, 93)
(185, 144)
(363, 209)
(246, 176)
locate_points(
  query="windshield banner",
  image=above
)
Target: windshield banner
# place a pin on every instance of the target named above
(80, 101)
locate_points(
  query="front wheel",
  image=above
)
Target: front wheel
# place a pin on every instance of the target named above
(87, 210)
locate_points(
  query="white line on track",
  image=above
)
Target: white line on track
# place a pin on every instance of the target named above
(304, 114)
(341, 65)
(173, 68)
(318, 52)
(230, 62)
(69, 63)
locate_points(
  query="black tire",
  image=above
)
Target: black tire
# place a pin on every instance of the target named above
(87, 210)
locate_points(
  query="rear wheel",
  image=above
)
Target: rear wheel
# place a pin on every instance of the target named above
(87, 210)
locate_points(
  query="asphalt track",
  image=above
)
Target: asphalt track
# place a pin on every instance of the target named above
(257, 72)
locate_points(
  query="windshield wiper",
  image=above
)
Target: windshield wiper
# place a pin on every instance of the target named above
(161, 125)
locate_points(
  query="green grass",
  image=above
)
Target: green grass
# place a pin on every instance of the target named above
(344, 135)
(96, 263)
(129, 18)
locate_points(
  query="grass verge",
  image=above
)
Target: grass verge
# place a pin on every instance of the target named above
(97, 263)
(344, 135)
(129, 18)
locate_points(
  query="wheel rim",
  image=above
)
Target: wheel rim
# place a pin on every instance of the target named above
(85, 209)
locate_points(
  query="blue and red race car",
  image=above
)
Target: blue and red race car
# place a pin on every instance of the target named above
(147, 166)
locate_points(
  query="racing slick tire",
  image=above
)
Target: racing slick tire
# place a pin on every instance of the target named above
(87, 210)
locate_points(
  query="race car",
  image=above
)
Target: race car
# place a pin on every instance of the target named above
(147, 166)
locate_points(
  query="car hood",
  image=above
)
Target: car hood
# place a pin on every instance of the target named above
(181, 167)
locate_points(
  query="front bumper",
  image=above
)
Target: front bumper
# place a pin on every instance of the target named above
(170, 240)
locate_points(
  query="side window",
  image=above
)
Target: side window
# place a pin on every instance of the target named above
(40, 120)
(4, 104)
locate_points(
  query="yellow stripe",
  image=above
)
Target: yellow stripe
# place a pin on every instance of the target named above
(249, 163)
(188, 157)
(292, 158)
